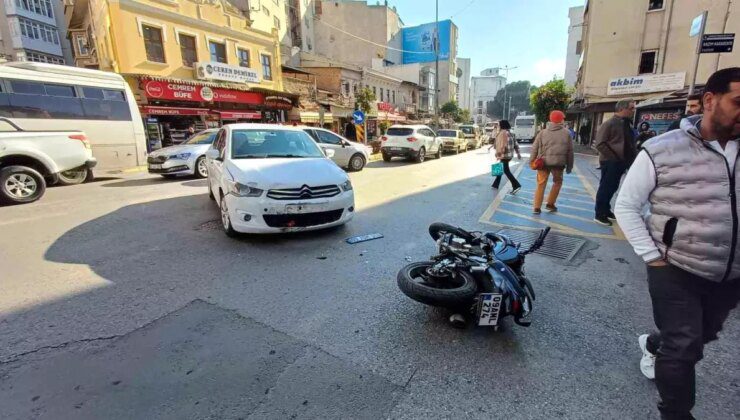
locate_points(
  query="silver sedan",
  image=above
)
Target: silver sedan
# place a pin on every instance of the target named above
(187, 158)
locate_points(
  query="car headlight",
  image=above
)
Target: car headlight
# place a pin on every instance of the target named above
(347, 186)
(243, 190)
(181, 156)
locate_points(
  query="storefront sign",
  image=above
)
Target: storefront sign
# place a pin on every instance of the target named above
(219, 71)
(240, 115)
(167, 110)
(384, 106)
(171, 91)
(717, 43)
(646, 83)
(278, 102)
(659, 120)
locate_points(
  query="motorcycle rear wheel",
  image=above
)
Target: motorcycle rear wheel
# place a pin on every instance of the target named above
(452, 291)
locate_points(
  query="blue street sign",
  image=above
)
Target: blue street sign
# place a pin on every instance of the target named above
(358, 116)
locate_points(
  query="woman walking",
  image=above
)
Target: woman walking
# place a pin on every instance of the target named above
(505, 146)
(554, 147)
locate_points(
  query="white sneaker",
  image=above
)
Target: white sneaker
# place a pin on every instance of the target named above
(647, 363)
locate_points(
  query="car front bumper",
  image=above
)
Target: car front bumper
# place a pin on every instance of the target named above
(265, 215)
(173, 167)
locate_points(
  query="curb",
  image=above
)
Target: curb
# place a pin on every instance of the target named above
(375, 157)
(129, 170)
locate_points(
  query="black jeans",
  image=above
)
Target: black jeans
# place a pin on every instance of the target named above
(689, 311)
(611, 174)
(514, 183)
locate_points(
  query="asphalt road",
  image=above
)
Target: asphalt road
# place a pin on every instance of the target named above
(122, 299)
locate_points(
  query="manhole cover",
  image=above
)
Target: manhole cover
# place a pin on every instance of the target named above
(210, 225)
(556, 246)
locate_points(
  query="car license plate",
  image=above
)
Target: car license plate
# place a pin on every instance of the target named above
(489, 309)
(155, 166)
(302, 208)
(394, 149)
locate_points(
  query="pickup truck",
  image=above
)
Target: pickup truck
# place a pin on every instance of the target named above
(29, 160)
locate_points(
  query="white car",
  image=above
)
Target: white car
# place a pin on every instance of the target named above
(268, 179)
(187, 158)
(410, 142)
(347, 154)
(29, 158)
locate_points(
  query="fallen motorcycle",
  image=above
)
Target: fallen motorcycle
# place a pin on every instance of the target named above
(474, 274)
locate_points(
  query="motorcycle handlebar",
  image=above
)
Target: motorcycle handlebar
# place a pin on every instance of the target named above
(538, 242)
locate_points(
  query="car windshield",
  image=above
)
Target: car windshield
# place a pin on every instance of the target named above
(447, 133)
(467, 130)
(204, 137)
(399, 131)
(266, 143)
(524, 123)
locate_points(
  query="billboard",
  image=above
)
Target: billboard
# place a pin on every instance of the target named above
(418, 42)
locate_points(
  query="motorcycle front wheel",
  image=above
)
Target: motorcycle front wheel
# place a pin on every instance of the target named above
(453, 290)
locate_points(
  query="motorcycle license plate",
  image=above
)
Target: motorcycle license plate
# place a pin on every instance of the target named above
(489, 308)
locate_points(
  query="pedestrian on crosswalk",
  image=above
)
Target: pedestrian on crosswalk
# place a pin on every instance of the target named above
(506, 145)
(554, 146)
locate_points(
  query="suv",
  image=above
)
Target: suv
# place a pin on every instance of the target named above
(453, 140)
(347, 154)
(410, 142)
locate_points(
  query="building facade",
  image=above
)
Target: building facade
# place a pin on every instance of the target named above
(34, 30)
(483, 90)
(339, 24)
(190, 63)
(647, 55)
(463, 89)
(420, 74)
(575, 47)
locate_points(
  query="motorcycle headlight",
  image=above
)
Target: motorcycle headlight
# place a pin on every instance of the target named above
(243, 190)
(347, 186)
(180, 156)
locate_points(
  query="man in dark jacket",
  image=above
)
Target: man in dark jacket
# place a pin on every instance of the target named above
(615, 142)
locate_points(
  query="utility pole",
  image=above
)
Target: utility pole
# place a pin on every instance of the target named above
(699, 37)
(436, 64)
(506, 68)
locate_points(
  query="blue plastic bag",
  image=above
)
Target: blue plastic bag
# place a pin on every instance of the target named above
(497, 169)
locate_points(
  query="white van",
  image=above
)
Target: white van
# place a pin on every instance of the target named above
(40, 96)
(523, 128)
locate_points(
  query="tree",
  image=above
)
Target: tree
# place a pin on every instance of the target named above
(518, 93)
(364, 100)
(450, 109)
(553, 95)
(463, 116)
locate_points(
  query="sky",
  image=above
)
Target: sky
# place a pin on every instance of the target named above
(529, 34)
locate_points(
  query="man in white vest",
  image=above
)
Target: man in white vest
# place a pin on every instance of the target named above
(678, 208)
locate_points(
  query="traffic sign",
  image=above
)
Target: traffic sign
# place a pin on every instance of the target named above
(696, 25)
(358, 116)
(717, 43)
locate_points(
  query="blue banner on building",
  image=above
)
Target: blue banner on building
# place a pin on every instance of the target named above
(418, 42)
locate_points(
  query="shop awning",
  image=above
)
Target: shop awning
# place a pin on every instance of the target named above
(313, 117)
(656, 99)
(240, 115)
(171, 110)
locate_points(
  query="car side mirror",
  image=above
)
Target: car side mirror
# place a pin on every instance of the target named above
(329, 153)
(214, 154)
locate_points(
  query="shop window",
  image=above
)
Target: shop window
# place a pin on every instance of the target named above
(187, 50)
(153, 43)
(655, 4)
(266, 66)
(647, 62)
(218, 51)
(243, 56)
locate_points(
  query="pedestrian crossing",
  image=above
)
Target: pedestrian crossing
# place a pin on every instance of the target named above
(575, 207)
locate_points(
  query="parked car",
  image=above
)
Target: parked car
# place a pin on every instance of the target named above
(267, 178)
(188, 158)
(410, 142)
(31, 159)
(473, 135)
(347, 154)
(453, 140)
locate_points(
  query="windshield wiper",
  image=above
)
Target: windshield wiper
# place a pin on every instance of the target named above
(248, 157)
(284, 155)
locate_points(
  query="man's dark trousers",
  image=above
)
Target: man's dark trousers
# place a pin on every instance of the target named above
(611, 174)
(689, 311)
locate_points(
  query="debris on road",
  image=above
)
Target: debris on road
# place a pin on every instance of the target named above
(363, 238)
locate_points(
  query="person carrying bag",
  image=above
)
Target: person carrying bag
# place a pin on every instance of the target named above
(505, 146)
(552, 152)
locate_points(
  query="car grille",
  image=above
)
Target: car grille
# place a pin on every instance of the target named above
(156, 159)
(302, 219)
(304, 193)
